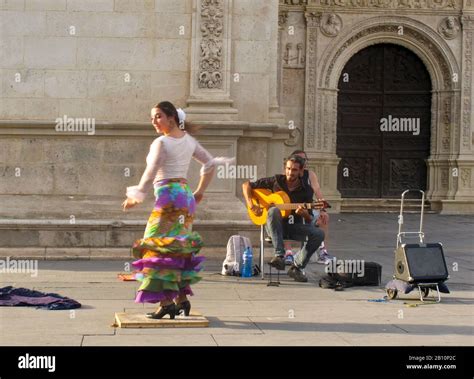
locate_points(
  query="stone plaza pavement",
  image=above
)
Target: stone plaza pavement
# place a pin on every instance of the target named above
(247, 312)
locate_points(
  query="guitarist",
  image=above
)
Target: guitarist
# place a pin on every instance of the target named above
(298, 226)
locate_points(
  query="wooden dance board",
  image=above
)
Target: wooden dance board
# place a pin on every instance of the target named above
(139, 320)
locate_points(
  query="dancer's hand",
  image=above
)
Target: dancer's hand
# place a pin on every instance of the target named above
(198, 196)
(128, 203)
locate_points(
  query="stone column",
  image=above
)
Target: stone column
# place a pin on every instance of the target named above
(274, 114)
(282, 20)
(320, 118)
(465, 161)
(312, 26)
(440, 180)
(209, 97)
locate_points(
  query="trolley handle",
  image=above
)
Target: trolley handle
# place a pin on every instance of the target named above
(400, 217)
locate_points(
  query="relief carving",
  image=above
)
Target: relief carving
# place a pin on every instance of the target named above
(466, 177)
(294, 56)
(210, 65)
(324, 126)
(331, 25)
(405, 173)
(449, 27)
(467, 83)
(387, 28)
(446, 139)
(325, 176)
(282, 19)
(296, 2)
(468, 22)
(312, 19)
(294, 137)
(444, 178)
(390, 4)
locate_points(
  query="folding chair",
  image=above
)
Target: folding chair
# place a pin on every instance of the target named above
(262, 256)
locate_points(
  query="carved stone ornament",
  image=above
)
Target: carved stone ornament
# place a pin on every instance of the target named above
(282, 18)
(390, 4)
(296, 2)
(468, 20)
(331, 24)
(210, 65)
(293, 56)
(467, 84)
(295, 135)
(312, 19)
(409, 32)
(449, 27)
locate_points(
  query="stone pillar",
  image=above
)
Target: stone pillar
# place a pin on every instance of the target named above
(465, 161)
(210, 77)
(441, 131)
(282, 20)
(320, 118)
(312, 26)
(274, 114)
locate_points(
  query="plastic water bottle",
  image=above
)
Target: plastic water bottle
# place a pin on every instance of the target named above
(247, 263)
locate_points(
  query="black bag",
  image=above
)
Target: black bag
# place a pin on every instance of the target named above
(372, 275)
(334, 281)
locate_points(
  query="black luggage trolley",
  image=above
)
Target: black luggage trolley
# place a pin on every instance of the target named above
(417, 265)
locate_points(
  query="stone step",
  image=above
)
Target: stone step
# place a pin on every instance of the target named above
(106, 234)
(7, 254)
(383, 206)
(215, 207)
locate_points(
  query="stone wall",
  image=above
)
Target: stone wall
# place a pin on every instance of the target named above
(109, 62)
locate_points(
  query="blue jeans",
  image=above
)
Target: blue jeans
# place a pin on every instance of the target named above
(278, 229)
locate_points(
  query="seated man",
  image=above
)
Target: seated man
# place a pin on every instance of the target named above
(321, 217)
(294, 228)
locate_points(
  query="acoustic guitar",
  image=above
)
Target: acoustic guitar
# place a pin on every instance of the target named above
(265, 199)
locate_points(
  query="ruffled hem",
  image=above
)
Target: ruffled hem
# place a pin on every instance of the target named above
(155, 297)
(187, 244)
(167, 281)
(167, 262)
(170, 276)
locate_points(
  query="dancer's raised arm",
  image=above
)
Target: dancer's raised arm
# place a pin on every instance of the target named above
(136, 194)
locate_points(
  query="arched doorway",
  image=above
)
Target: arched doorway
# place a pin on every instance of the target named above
(383, 123)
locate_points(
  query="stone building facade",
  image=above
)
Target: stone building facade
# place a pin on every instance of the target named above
(319, 38)
(262, 76)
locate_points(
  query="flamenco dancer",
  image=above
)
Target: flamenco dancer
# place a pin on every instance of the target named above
(167, 262)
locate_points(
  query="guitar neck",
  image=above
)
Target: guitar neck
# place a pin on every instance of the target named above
(296, 205)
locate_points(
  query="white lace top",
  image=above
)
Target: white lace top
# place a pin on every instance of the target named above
(169, 158)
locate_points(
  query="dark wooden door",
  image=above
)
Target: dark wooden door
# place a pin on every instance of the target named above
(383, 125)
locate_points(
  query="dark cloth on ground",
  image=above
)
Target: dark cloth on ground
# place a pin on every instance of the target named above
(21, 297)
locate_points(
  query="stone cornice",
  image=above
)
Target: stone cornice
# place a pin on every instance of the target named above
(383, 5)
(215, 129)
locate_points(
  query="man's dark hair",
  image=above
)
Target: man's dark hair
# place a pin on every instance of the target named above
(297, 159)
(300, 152)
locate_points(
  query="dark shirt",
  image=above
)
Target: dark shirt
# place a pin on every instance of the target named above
(303, 194)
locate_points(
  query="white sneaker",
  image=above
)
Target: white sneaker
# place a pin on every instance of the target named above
(289, 257)
(324, 258)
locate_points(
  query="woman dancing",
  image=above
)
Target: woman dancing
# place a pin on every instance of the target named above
(167, 264)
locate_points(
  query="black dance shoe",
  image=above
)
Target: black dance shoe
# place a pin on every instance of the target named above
(184, 307)
(166, 310)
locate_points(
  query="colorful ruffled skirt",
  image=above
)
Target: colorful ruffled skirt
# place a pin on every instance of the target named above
(167, 264)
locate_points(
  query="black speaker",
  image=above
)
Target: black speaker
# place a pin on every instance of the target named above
(420, 263)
